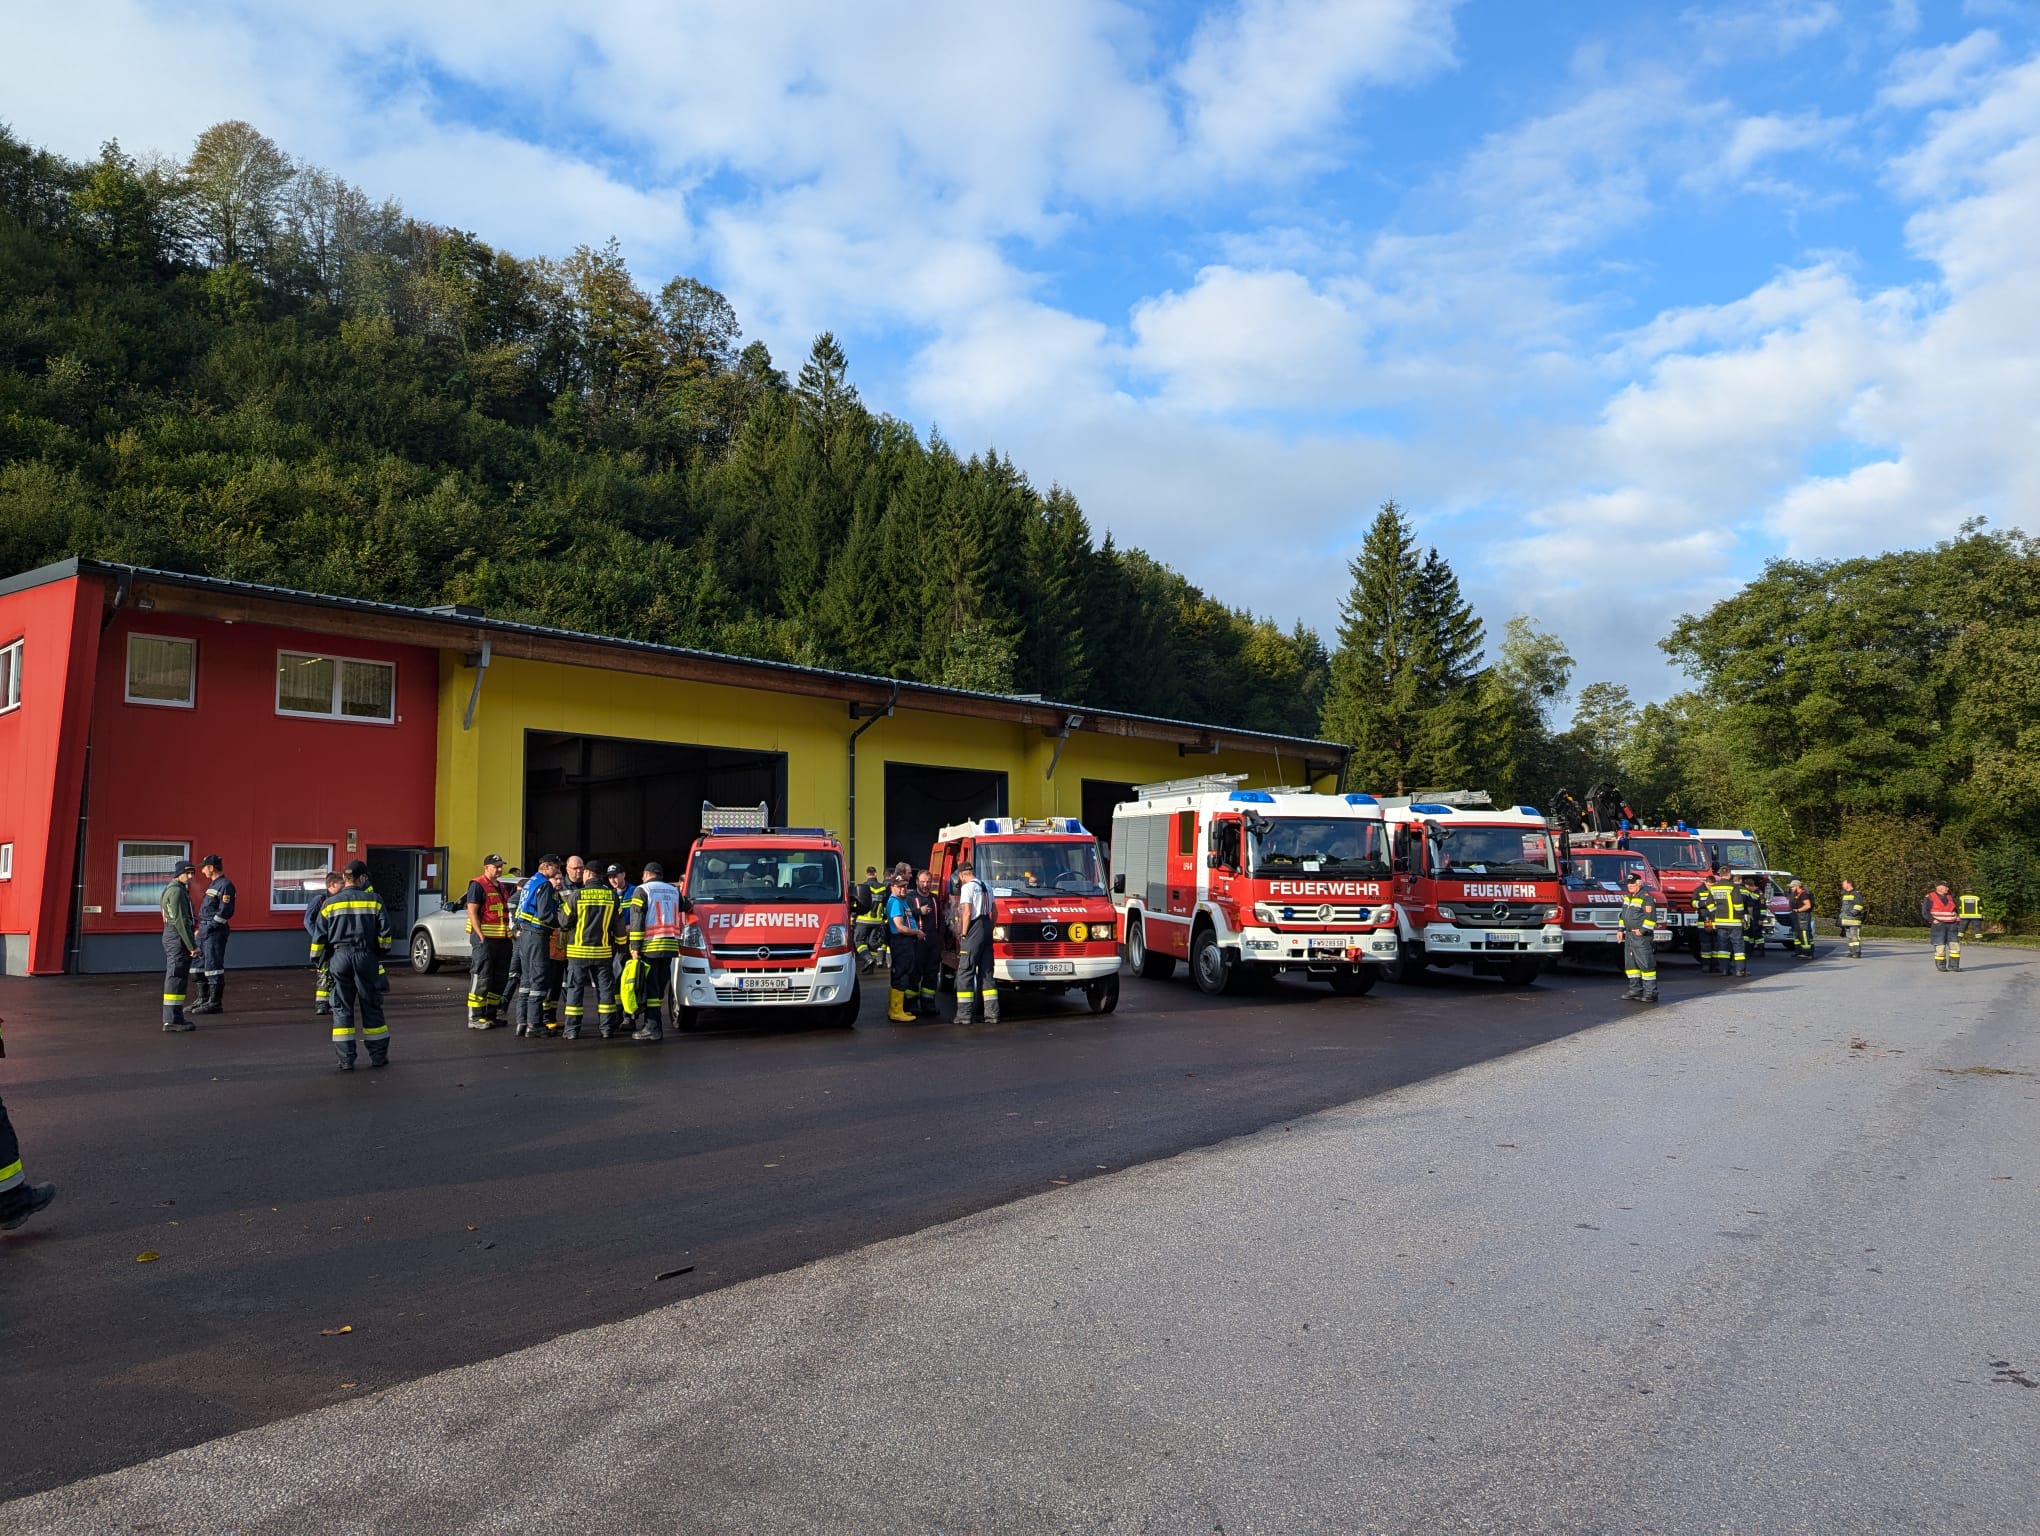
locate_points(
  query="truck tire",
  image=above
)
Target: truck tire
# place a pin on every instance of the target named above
(1147, 965)
(1357, 982)
(1209, 967)
(844, 1014)
(1521, 973)
(1405, 967)
(1102, 996)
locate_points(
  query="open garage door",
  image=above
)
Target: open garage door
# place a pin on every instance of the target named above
(1099, 796)
(629, 801)
(921, 801)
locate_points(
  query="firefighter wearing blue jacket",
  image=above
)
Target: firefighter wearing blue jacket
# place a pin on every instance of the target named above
(354, 934)
(323, 997)
(215, 922)
(538, 915)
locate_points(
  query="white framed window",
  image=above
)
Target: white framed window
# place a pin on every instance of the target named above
(144, 869)
(10, 677)
(6, 861)
(335, 687)
(162, 670)
(293, 869)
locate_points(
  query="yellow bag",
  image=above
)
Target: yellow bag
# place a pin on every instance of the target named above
(633, 981)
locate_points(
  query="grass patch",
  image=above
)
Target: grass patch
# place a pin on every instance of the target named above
(1920, 935)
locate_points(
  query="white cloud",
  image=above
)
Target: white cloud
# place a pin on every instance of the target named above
(1775, 26)
(1927, 76)
(1249, 340)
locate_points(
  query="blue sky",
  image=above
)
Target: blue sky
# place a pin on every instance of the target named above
(1617, 301)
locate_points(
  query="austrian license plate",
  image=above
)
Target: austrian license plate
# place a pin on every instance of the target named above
(1328, 946)
(1052, 968)
(765, 983)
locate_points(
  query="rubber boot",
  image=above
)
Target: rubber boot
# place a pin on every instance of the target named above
(1940, 963)
(22, 1202)
(896, 1006)
(345, 1051)
(1954, 962)
(1635, 992)
(966, 1008)
(991, 1007)
(208, 1000)
(219, 993)
(378, 1054)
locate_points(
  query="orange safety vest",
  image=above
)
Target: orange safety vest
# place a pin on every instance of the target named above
(1941, 907)
(495, 909)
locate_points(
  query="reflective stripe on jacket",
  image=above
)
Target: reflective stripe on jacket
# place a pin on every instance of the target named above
(495, 905)
(655, 923)
(591, 921)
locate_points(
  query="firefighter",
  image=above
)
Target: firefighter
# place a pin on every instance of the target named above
(215, 921)
(928, 949)
(1727, 897)
(591, 949)
(903, 935)
(180, 948)
(1802, 920)
(626, 897)
(976, 982)
(488, 903)
(1944, 924)
(535, 921)
(19, 1199)
(654, 943)
(322, 1000)
(1852, 919)
(1969, 910)
(1757, 921)
(1703, 919)
(870, 918)
(354, 935)
(1639, 938)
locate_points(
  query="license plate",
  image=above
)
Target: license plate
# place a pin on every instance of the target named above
(1052, 968)
(1328, 946)
(765, 983)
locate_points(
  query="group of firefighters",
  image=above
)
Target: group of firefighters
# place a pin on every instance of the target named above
(1730, 915)
(898, 923)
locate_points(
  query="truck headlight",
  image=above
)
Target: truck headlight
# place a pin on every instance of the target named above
(1265, 914)
(1551, 914)
(835, 936)
(1448, 914)
(999, 932)
(690, 937)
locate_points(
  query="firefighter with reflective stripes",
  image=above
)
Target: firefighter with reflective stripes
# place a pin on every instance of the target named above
(488, 926)
(976, 984)
(903, 937)
(1639, 938)
(1852, 919)
(180, 948)
(322, 1000)
(1703, 922)
(928, 951)
(354, 935)
(654, 945)
(1728, 899)
(1944, 924)
(19, 1199)
(1969, 910)
(872, 896)
(591, 950)
(619, 954)
(1802, 920)
(536, 920)
(215, 923)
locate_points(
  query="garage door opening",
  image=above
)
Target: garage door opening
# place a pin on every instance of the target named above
(921, 801)
(1099, 796)
(625, 802)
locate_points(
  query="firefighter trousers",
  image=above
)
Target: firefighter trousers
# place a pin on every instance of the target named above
(1852, 935)
(585, 978)
(1728, 945)
(357, 1005)
(652, 985)
(976, 985)
(11, 1176)
(488, 971)
(176, 979)
(534, 978)
(1639, 964)
(927, 971)
(212, 953)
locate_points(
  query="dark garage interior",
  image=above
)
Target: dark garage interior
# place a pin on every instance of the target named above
(1099, 796)
(630, 801)
(920, 801)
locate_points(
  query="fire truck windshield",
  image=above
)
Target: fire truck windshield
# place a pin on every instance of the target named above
(1735, 853)
(1671, 852)
(1066, 867)
(1342, 845)
(1603, 869)
(1472, 850)
(765, 873)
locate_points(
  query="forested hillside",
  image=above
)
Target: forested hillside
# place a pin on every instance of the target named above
(239, 365)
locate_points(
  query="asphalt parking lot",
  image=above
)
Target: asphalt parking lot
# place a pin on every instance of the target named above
(486, 1193)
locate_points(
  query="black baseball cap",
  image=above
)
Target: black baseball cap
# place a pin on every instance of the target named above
(1634, 877)
(492, 858)
(614, 869)
(212, 861)
(355, 867)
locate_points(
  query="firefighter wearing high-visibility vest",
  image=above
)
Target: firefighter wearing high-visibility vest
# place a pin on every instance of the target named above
(1969, 910)
(1851, 919)
(1703, 919)
(354, 935)
(654, 945)
(322, 996)
(869, 919)
(1639, 938)
(1728, 898)
(488, 925)
(619, 953)
(1802, 920)
(1944, 925)
(536, 920)
(590, 934)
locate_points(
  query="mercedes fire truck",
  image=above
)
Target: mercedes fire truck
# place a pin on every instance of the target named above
(1053, 925)
(1475, 884)
(1237, 880)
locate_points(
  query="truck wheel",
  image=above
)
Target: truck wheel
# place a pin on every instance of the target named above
(1520, 973)
(845, 1013)
(1405, 967)
(1357, 982)
(1146, 964)
(1102, 996)
(1208, 964)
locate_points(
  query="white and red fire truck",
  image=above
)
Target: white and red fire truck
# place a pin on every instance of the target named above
(1590, 900)
(1253, 880)
(1053, 926)
(766, 920)
(1475, 884)
(1681, 860)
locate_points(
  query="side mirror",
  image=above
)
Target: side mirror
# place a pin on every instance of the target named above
(1216, 861)
(1119, 885)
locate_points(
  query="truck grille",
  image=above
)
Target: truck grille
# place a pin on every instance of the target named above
(1327, 914)
(1047, 933)
(1049, 951)
(738, 995)
(1511, 914)
(772, 951)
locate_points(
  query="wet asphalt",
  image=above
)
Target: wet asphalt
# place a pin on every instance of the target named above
(486, 1193)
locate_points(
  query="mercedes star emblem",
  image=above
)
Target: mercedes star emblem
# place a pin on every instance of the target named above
(1501, 909)
(1324, 914)
(1048, 932)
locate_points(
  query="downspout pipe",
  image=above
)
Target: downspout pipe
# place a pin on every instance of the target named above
(870, 714)
(74, 950)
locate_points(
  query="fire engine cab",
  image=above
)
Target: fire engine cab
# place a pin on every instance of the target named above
(1053, 927)
(1475, 884)
(1590, 900)
(1680, 859)
(766, 920)
(1255, 880)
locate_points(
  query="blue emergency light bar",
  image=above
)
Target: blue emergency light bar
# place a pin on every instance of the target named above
(1361, 800)
(1432, 810)
(1252, 796)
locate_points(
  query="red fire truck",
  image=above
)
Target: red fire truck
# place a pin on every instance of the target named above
(1255, 880)
(1475, 884)
(1680, 859)
(766, 920)
(1053, 926)
(1590, 900)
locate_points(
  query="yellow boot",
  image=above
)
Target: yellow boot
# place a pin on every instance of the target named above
(896, 1007)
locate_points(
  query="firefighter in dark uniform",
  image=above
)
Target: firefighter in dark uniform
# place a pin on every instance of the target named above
(488, 925)
(1802, 920)
(1969, 909)
(1639, 938)
(591, 953)
(19, 1199)
(1852, 919)
(927, 949)
(322, 1001)
(903, 935)
(654, 945)
(1729, 901)
(626, 898)
(355, 934)
(976, 983)
(870, 918)
(215, 920)
(1703, 920)
(180, 948)
(537, 918)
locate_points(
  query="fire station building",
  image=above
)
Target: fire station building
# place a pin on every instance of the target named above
(147, 717)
